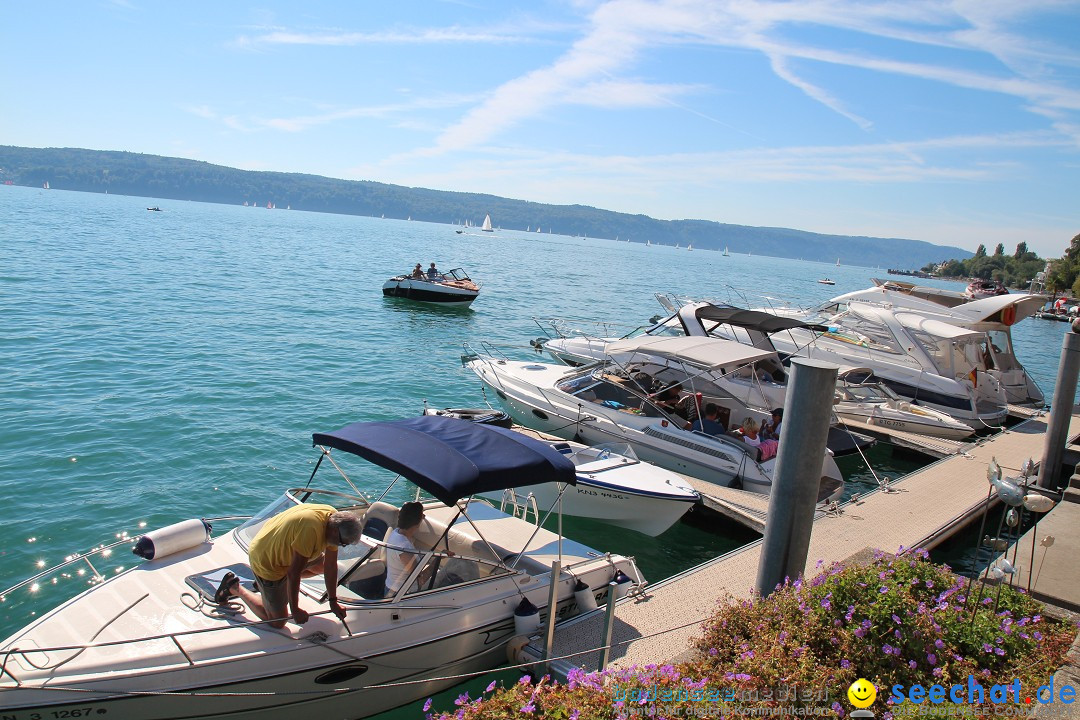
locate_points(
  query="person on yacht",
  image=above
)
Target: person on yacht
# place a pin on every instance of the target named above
(432, 273)
(770, 429)
(300, 542)
(710, 424)
(749, 432)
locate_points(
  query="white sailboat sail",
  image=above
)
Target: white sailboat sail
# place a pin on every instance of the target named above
(487, 224)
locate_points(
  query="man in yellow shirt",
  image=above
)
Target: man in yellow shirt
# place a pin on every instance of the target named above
(297, 543)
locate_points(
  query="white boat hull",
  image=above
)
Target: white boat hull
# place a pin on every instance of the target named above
(921, 422)
(425, 291)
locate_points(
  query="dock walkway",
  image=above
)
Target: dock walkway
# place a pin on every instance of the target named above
(924, 508)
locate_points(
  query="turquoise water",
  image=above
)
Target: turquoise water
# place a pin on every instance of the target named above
(158, 366)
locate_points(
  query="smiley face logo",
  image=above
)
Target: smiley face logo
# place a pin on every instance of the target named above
(862, 693)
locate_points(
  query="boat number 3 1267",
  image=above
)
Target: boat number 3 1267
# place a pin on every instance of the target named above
(83, 712)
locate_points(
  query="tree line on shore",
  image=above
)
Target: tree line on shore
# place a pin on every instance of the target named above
(1018, 269)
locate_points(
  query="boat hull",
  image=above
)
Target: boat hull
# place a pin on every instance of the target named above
(429, 292)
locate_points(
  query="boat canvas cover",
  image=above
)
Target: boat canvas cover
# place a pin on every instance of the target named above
(913, 321)
(752, 319)
(451, 458)
(705, 351)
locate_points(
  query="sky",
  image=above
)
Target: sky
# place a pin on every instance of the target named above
(957, 123)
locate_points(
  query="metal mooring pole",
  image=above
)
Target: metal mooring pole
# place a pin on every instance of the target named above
(797, 475)
(1057, 425)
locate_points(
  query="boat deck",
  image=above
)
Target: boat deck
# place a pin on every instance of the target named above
(933, 446)
(920, 510)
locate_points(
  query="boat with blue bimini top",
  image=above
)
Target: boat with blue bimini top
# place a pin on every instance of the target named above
(450, 289)
(151, 642)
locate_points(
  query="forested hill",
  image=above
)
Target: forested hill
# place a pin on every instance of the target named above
(154, 176)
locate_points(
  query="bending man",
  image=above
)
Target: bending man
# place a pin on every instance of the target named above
(298, 543)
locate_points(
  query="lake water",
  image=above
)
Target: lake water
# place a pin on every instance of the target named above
(158, 366)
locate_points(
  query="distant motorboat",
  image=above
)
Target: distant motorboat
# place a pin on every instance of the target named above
(486, 227)
(826, 281)
(449, 289)
(980, 289)
(155, 208)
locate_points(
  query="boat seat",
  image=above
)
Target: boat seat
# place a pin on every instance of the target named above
(370, 580)
(379, 514)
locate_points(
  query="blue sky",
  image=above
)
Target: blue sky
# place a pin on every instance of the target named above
(952, 122)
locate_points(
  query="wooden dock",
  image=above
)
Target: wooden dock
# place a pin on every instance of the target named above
(921, 510)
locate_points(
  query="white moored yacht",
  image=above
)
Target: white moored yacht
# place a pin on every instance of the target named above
(927, 362)
(994, 316)
(149, 644)
(614, 401)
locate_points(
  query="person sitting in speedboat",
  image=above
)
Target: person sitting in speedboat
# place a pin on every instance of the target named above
(432, 273)
(749, 432)
(401, 551)
(418, 272)
(770, 429)
(710, 424)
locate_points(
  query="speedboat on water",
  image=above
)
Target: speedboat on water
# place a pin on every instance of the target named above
(149, 643)
(994, 316)
(979, 289)
(861, 399)
(616, 401)
(450, 289)
(613, 486)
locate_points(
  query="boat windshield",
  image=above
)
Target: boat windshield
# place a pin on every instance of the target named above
(295, 496)
(456, 274)
(952, 357)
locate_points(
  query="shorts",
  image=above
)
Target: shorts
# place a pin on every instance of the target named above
(275, 596)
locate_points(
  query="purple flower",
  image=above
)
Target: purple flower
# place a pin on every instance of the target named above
(860, 632)
(931, 658)
(490, 687)
(999, 651)
(743, 676)
(462, 699)
(845, 663)
(1037, 635)
(912, 664)
(427, 705)
(939, 644)
(525, 680)
(987, 647)
(883, 589)
(528, 708)
(575, 715)
(713, 652)
(887, 649)
(896, 618)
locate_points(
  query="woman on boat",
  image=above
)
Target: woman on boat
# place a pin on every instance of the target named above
(418, 272)
(749, 431)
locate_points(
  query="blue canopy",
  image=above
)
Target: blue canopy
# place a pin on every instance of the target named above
(451, 458)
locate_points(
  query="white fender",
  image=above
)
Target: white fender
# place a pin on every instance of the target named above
(171, 539)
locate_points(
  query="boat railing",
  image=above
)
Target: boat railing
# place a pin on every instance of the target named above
(520, 505)
(104, 550)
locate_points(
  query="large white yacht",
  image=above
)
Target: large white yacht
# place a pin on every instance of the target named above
(994, 316)
(925, 361)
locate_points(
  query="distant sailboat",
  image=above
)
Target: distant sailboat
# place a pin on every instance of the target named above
(837, 262)
(689, 246)
(528, 228)
(648, 243)
(487, 224)
(538, 229)
(46, 185)
(726, 253)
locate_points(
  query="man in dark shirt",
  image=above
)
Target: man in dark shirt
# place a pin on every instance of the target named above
(710, 424)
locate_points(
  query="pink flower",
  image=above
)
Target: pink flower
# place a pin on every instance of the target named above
(427, 705)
